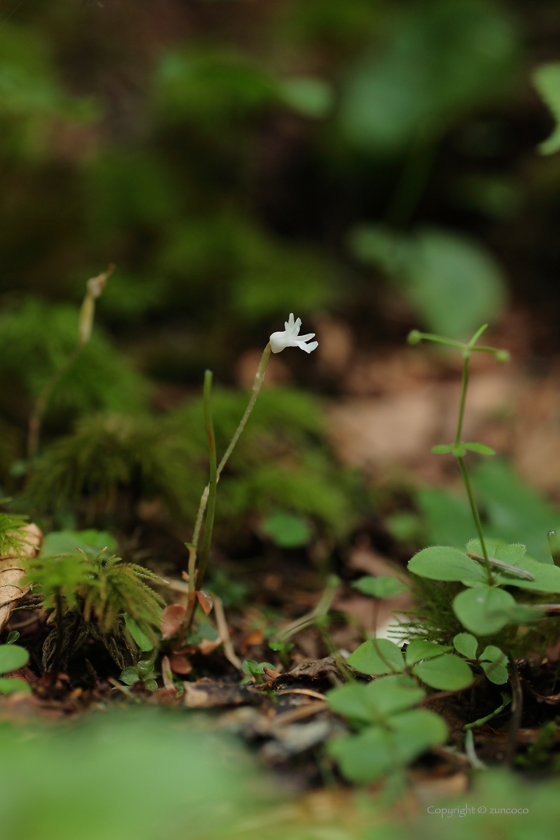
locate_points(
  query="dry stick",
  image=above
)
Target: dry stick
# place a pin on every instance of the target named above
(224, 633)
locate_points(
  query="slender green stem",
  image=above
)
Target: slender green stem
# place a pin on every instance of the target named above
(198, 570)
(464, 386)
(439, 339)
(211, 510)
(477, 335)
(257, 385)
(476, 517)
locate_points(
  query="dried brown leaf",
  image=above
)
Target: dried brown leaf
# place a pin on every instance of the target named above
(205, 600)
(171, 620)
(12, 573)
(180, 664)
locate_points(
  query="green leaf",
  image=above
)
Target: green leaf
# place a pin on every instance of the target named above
(12, 657)
(442, 448)
(497, 673)
(547, 576)
(366, 757)
(9, 685)
(466, 645)
(143, 641)
(481, 448)
(493, 661)
(491, 653)
(378, 699)
(151, 685)
(377, 656)
(13, 636)
(478, 609)
(440, 562)
(447, 518)
(130, 676)
(428, 64)
(384, 586)
(419, 650)
(447, 672)
(287, 530)
(452, 282)
(508, 553)
(516, 512)
(547, 81)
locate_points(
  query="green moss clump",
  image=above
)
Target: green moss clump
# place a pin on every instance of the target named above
(35, 339)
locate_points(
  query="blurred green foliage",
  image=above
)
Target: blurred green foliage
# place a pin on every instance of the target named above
(111, 462)
(512, 512)
(136, 775)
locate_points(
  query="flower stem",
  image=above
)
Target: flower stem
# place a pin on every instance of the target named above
(211, 510)
(257, 385)
(476, 517)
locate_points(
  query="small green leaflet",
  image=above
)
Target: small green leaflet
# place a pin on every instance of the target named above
(440, 562)
(460, 449)
(376, 657)
(466, 645)
(419, 650)
(478, 609)
(384, 586)
(447, 672)
(547, 81)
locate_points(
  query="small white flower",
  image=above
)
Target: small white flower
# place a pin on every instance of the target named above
(291, 337)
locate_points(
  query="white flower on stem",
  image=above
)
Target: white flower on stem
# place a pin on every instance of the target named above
(290, 337)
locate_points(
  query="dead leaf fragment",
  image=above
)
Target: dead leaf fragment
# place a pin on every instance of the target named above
(12, 573)
(180, 664)
(205, 600)
(171, 619)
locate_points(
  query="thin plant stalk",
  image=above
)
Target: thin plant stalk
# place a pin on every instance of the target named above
(198, 570)
(257, 385)
(463, 466)
(85, 325)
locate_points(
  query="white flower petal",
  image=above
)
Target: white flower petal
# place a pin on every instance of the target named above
(290, 337)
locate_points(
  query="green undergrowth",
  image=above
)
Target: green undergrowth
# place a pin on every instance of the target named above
(35, 340)
(110, 462)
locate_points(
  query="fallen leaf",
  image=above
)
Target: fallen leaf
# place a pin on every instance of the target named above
(206, 646)
(205, 600)
(171, 619)
(256, 637)
(12, 573)
(180, 664)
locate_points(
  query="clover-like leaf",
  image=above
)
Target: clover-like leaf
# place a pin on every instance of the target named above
(8, 685)
(481, 448)
(376, 657)
(447, 672)
(384, 586)
(375, 701)
(441, 562)
(466, 645)
(366, 757)
(480, 609)
(12, 657)
(420, 649)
